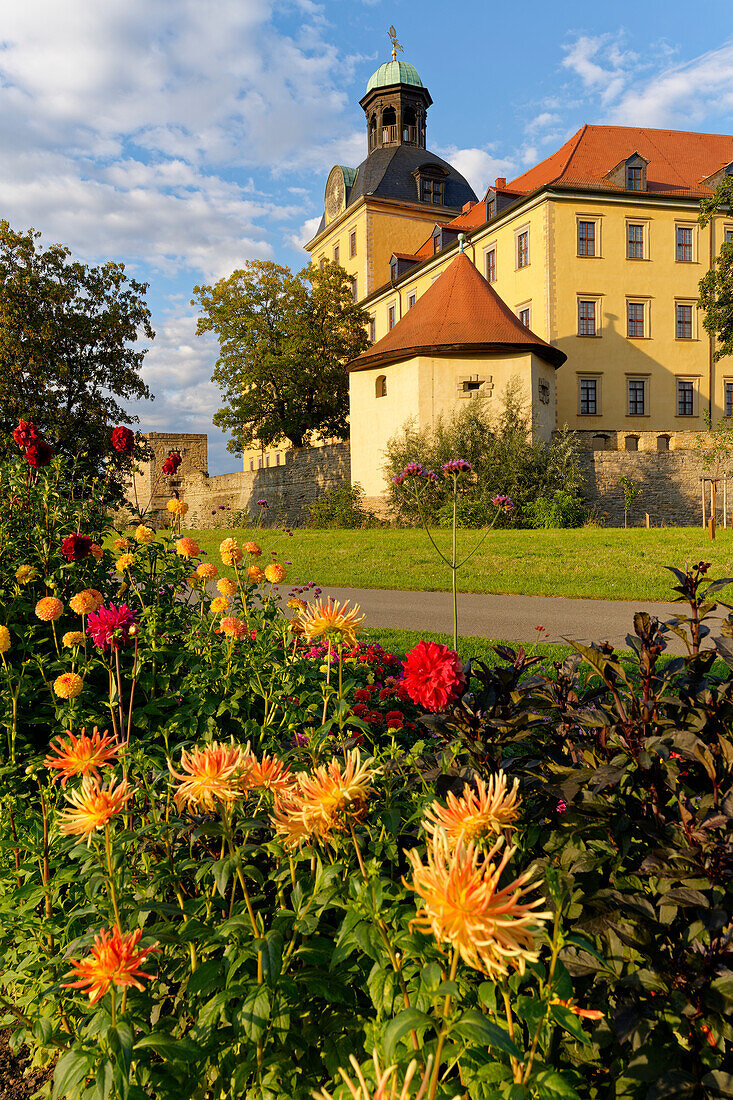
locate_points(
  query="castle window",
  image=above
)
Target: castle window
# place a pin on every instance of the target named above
(354, 293)
(634, 241)
(490, 209)
(524, 316)
(409, 126)
(389, 126)
(662, 442)
(372, 132)
(728, 398)
(336, 253)
(636, 396)
(586, 238)
(380, 387)
(252, 464)
(432, 191)
(391, 315)
(634, 177)
(728, 236)
(491, 265)
(588, 396)
(473, 385)
(352, 244)
(372, 329)
(411, 300)
(685, 397)
(277, 458)
(586, 317)
(636, 319)
(683, 252)
(322, 262)
(523, 248)
(631, 443)
(683, 321)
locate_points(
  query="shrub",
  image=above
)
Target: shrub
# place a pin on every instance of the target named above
(558, 510)
(340, 506)
(503, 457)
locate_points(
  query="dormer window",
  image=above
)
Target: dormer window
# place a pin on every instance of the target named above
(634, 177)
(630, 173)
(430, 180)
(490, 209)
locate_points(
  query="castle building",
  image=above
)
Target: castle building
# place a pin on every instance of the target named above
(595, 253)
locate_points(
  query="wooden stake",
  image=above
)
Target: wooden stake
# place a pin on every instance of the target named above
(725, 503)
(714, 499)
(648, 523)
(702, 497)
(711, 527)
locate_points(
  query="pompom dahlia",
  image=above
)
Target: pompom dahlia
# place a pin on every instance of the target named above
(433, 675)
(48, 609)
(123, 440)
(275, 573)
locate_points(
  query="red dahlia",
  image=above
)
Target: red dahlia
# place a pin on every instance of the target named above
(433, 675)
(123, 440)
(171, 464)
(39, 454)
(25, 434)
(76, 547)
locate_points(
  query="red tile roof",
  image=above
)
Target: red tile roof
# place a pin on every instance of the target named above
(678, 160)
(460, 313)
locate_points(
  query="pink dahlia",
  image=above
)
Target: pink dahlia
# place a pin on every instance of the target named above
(433, 676)
(110, 625)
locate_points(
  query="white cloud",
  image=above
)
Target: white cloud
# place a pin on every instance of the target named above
(305, 233)
(601, 63)
(479, 166)
(683, 95)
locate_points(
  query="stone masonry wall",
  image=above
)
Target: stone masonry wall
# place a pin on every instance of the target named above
(288, 489)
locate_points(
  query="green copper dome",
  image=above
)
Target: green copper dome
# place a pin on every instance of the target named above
(394, 72)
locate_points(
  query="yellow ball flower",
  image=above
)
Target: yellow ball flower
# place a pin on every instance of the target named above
(177, 507)
(98, 598)
(187, 548)
(68, 685)
(48, 609)
(255, 574)
(4, 639)
(233, 627)
(230, 552)
(72, 638)
(226, 587)
(219, 604)
(275, 573)
(206, 571)
(121, 544)
(125, 561)
(144, 534)
(24, 574)
(83, 602)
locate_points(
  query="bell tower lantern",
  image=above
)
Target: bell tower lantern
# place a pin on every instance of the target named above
(395, 104)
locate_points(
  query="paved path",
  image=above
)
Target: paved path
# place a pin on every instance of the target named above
(511, 618)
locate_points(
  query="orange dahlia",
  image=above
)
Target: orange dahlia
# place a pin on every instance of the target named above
(230, 551)
(219, 604)
(121, 544)
(226, 587)
(491, 928)
(296, 604)
(487, 809)
(332, 620)
(72, 638)
(255, 574)
(209, 776)
(268, 773)
(96, 551)
(83, 602)
(97, 596)
(231, 626)
(125, 561)
(92, 807)
(68, 685)
(81, 755)
(275, 573)
(144, 534)
(322, 802)
(187, 548)
(252, 548)
(48, 609)
(206, 571)
(114, 960)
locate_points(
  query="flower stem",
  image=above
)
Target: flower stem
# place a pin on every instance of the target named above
(444, 1030)
(110, 872)
(516, 1069)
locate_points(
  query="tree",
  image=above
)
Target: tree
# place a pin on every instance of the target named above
(67, 332)
(631, 491)
(716, 286)
(283, 342)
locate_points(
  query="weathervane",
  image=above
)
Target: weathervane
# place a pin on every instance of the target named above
(395, 44)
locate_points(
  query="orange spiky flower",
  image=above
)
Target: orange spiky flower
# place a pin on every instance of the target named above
(323, 801)
(268, 773)
(477, 813)
(113, 960)
(210, 776)
(92, 807)
(81, 755)
(492, 928)
(386, 1086)
(332, 620)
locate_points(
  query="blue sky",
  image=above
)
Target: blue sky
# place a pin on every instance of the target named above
(186, 136)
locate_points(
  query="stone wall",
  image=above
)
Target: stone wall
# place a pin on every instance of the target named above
(288, 488)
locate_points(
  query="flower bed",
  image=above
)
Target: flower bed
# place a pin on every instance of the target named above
(245, 856)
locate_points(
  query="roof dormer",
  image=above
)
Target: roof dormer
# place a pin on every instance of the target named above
(630, 173)
(430, 181)
(713, 181)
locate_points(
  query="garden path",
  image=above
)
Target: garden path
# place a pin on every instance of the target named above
(510, 618)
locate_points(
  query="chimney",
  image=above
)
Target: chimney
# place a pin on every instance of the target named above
(500, 182)
(467, 206)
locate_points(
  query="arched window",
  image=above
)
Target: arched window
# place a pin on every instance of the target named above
(631, 443)
(372, 132)
(409, 125)
(389, 126)
(662, 442)
(380, 387)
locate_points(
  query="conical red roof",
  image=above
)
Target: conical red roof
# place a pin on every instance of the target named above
(461, 312)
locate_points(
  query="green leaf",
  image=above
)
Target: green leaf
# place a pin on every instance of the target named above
(169, 1048)
(104, 1081)
(408, 1020)
(550, 1085)
(203, 980)
(569, 1022)
(71, 1072)
(120, 1039)
(254, 1013)
(272, 955)
(474, 1026)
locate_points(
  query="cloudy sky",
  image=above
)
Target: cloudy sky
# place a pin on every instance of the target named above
(184, 137)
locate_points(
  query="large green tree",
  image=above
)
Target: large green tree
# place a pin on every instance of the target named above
(283, 342)
(716, 286)
(69, 348)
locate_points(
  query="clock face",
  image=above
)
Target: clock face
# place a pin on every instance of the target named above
(335, 193)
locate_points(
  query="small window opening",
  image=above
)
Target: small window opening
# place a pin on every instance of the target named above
(472, 386)
(662, 442)
(381, 386)
(631, 443)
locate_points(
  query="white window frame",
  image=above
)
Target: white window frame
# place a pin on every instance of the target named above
(597, 255)
(692, 302)
(633, 376)
(490, 248)
(391, 316)
(591, 376)
(411, 299)
(597, 299)
(337, 252)
(695, 379)
(647, 324)
(645, 239)
(680, 224)
(517, 234)
(520, 310)
(728, 382)
(352, 237)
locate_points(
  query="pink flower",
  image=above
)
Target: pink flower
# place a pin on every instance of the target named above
(433, 676)
(110, 625)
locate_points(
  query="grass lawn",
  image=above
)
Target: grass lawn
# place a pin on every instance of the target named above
(605, 563)
(399, 641)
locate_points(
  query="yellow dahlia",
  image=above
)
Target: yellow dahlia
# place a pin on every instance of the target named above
(489, 808)
(323, 801)
(4, 639)
(332, 620)
(296, 604)
(253, 549)
(492, 928)
(92, 807)
(386, 1084)
(83, 602)
(48, 609)
(72, 638)
(121, 544)
(230, 551)
(219, 604)
(226, 587)
(144, 534)
(24, 574)
(255, 575)
(206, 571)
(268, 773)
(125, 561)
(232, 627)
(275, 573)
(68, 685)
(177, 507)
(209, 776)
(97, 596)
(187, 548)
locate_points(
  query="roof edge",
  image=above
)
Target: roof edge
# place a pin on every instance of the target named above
(554, 356)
